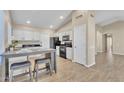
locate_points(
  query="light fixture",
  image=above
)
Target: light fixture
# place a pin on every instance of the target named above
(61, 17)
(51, 26)
(28, 22)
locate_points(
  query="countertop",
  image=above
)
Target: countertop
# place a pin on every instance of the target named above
(24, 52)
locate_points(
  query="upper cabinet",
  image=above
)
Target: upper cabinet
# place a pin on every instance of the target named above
(63, 33)
(18, 35)
(45, 40)
(36, 35)
(70, 34)
(26, 35)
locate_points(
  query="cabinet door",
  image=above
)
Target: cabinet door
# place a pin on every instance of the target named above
(66, 32)
(70, 34)
(36, 35)
(27, 35)
(57, 51)
(60, 36)
(19, 35)
(45, 40)
(69, 53)
(80, 44)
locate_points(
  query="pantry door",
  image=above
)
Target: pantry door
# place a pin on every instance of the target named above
(80, 44)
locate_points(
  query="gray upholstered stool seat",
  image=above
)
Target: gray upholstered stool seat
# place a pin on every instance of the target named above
(21, 65)
(45, 61)
(41, 61)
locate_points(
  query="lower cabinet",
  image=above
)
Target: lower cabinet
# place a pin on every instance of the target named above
(57, 51)
(69, 53)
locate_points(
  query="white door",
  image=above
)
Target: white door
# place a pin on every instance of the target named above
(80, 44)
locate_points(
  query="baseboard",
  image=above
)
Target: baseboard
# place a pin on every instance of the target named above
(90, 65)
(118, 54)
(86, 64)
(100, 51)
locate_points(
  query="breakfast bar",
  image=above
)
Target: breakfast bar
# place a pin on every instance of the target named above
(27, 53)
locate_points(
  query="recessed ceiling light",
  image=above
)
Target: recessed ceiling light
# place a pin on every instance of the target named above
(61, 17)
(28, 22)
(51, 26)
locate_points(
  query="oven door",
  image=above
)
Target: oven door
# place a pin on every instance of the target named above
(63, 51)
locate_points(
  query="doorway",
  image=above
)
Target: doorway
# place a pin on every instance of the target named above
(108, 43)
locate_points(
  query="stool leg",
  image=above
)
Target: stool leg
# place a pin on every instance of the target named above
(50, 68)
(30, 73)
(11, 76)
(47, 66)
(36, 72)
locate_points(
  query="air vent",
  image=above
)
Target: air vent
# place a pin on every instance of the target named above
(79, 16)
(92, 15)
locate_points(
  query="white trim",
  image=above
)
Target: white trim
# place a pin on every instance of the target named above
(85, 64)
(99, 51)
(90, 65)
(118, 53)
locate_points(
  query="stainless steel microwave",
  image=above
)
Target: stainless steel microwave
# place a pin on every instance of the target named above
(66, 38)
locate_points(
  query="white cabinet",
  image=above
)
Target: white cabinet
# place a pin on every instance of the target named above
(63, 33)
(60, 36)
(57, 50)
(45, 40)
(70, 34)
(36, 36)
(27, 35)
(18, 35)
(69, 53)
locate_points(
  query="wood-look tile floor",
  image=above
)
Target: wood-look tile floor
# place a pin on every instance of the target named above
(108, 68)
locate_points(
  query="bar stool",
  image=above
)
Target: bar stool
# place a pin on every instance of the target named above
(21, 65)
(38, 62)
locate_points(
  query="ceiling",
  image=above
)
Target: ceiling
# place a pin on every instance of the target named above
(45, 18)
(105, 17)
(41, 18)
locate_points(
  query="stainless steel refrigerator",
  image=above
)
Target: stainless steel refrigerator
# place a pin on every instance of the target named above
(54, 41)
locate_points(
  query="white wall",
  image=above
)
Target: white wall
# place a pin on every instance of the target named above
(99, 47)
(91, 34)
(2, 43)
(100, 39)
(86, 17)
(2, 22)
(117, 31)
(65, 27)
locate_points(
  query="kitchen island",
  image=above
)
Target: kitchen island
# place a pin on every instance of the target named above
(27, 53)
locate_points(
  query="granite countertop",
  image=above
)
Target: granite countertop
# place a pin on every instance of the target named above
(28, 51)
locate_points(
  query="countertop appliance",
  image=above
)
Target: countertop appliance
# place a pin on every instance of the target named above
(54, 41)
(63, 51)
